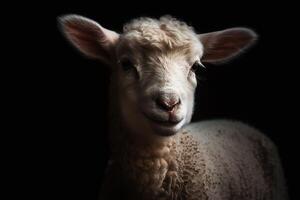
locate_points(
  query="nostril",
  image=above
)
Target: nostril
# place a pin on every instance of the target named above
(167, 104)
(161, 103)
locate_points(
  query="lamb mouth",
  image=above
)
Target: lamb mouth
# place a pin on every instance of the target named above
(166, 123)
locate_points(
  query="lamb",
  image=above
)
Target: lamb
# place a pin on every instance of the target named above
(155, 152)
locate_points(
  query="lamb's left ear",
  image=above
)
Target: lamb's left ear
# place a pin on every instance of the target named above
(89, 37)
(220, 46)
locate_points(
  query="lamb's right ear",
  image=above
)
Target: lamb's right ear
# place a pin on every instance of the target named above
(89, 37)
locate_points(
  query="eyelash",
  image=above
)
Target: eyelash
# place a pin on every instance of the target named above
(196, 66)
(199, 71)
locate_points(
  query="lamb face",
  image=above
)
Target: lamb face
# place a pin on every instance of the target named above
(157, 79)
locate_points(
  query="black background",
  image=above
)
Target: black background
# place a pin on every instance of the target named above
(71, 91)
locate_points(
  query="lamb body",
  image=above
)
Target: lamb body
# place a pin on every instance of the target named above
(155, 152)
(217, 159)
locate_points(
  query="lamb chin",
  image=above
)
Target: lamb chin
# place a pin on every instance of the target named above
(165, 130)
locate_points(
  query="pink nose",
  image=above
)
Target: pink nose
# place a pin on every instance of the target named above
(167, 102)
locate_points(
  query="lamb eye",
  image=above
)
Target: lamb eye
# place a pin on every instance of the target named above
(195, 66)
(127, 65)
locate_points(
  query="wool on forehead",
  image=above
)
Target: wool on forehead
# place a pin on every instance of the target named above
(164, 33)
